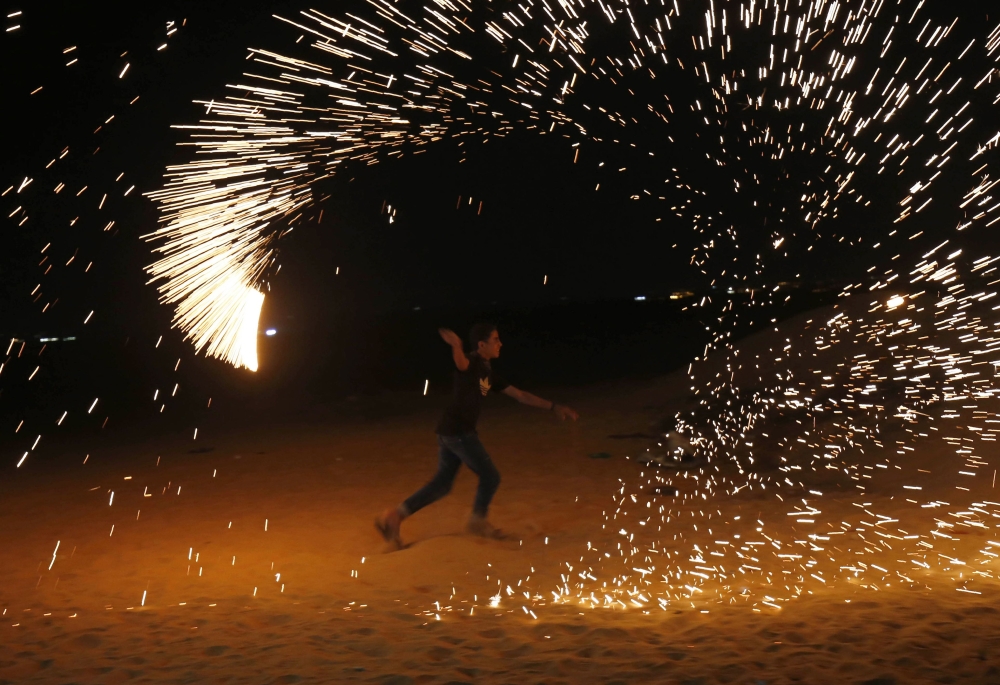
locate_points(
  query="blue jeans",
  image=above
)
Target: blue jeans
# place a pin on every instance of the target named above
(453, 451)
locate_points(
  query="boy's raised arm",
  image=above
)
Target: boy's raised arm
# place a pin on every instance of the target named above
(457, 353)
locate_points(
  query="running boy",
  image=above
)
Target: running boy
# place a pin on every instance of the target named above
(458, 442)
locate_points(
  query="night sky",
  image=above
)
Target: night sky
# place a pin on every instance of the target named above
(403, 232)
(540, 215)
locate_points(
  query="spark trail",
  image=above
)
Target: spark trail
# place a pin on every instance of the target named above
(778, 132)
(822, 122)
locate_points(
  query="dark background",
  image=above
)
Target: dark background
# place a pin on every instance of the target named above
(441, 262)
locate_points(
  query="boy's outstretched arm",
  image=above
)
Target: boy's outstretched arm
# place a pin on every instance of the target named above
(525, 397)
(457, 353)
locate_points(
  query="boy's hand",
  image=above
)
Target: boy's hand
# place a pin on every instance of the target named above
(450, 337)
(565, 413)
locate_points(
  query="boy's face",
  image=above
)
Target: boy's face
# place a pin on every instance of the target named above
(490, 348)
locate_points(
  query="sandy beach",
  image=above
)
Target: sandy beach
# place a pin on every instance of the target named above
(751, 244)
(250, 556)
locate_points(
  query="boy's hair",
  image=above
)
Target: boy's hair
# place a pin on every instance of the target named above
(481, 332)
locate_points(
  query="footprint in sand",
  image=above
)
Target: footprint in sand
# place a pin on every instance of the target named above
(439, 653)
(87, 640)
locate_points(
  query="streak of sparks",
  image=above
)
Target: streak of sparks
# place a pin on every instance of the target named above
(914, 362)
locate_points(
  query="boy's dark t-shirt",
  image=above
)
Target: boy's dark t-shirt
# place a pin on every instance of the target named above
(471, 386)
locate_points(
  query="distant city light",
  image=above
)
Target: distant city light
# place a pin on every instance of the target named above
(640, 298)
(270, 331)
